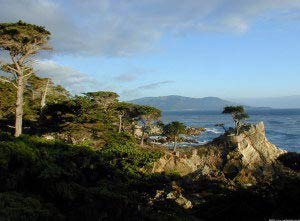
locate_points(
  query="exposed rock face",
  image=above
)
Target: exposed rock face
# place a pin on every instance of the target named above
(194, 131)
(254, 147)
(190, 160)
(246, 158)
(252, 153)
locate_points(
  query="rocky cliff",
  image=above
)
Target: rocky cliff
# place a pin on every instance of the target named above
(246, 158)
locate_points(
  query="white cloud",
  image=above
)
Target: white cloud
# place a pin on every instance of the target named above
(73, 80)
(154, 85)
(138, 91)
(132, 75)
(123, 28)
(126, 77)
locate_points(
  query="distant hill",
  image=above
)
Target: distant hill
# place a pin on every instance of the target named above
(274, 102)
(179, 103)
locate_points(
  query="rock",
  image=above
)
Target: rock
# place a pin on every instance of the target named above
(185, 161)
(253, 156)
(246, 158)
(254, 147)
(48, 137)
(174, 195)
(180, 199)
(194, 131)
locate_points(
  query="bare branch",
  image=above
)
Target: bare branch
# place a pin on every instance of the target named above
(26, 68)
(28, 75)
(15, 61)
(7, 66)
(7, 81)
(10, 126)
(30, 62)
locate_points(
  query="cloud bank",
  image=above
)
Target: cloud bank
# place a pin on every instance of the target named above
(73, 80)
(129, 27)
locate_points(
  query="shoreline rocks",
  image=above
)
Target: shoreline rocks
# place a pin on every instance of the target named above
(246, 158)
(194, 131)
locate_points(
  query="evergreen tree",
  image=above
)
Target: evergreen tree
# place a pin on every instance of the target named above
(173, 130)
(238, 114)
(22, 41)
(147, 115)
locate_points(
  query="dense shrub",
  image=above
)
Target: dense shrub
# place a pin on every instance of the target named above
(15, 206)
(124, 154)
(290, 160)
(39, 176)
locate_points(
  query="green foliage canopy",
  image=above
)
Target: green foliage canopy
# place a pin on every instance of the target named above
(23, 39)
(174, 129)
(238, 114)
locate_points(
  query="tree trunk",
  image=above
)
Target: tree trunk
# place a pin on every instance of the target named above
(237, 128)
(43, 100)
(236, 125)
(142, 138)
(224, 128)
(120, 123)
(175, 144)
(19, 107)
(132, 128)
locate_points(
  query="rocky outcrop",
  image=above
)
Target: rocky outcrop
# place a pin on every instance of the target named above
(194, 131)
(186, 161)
(252, 155)
(246, 158)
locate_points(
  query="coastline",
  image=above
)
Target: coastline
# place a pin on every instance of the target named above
(282, 125)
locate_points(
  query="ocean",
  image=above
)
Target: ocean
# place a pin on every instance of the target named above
(282, 125)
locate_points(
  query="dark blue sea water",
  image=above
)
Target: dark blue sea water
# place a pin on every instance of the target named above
(282, 125)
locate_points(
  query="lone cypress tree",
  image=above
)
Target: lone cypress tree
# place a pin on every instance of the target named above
(238, 114)
(22, 41)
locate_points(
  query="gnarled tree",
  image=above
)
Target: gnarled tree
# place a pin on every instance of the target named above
(173, 130)
(104, 99)
(22, 41)
(221, 125)
(124, 111)
(238, 114)
(43, 91)
(147, 115)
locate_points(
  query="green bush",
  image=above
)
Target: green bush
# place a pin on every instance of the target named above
(15, 206)
(290, 160)
(74, 179)
(127, 156)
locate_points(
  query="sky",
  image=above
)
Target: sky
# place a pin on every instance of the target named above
(140, 48)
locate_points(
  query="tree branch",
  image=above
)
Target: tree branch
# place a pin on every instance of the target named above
(8, 81)
(7, 66)
(15, 62)
(26, 75)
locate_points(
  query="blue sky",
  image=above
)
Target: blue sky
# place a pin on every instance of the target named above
(197, 48)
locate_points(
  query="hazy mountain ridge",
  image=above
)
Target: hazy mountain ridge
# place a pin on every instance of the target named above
(176, 103)
(273, 102)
